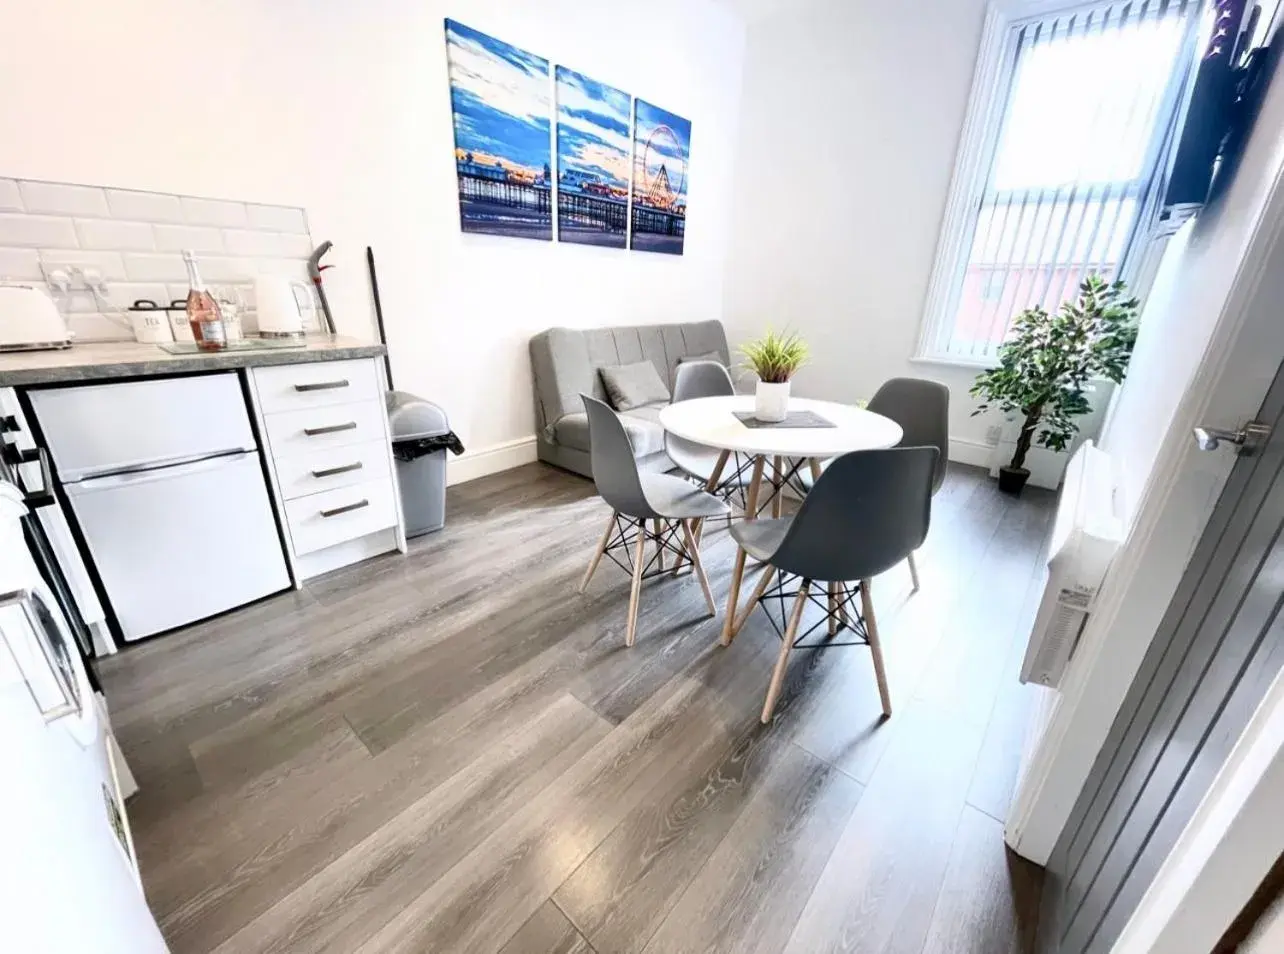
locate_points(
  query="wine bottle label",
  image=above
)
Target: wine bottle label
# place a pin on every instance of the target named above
(213, 330)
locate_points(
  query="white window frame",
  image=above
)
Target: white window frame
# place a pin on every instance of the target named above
(978, 142)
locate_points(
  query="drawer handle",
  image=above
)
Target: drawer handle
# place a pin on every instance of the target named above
(346, 508)
(332, 471)
(330, 429)
(322, 385)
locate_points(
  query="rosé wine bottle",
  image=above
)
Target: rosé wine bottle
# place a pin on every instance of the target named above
(203, 311)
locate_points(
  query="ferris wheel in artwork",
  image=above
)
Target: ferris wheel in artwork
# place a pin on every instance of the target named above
(664, 167)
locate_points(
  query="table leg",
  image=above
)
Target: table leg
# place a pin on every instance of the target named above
(777, 481)
(814, 463)
(738, 572)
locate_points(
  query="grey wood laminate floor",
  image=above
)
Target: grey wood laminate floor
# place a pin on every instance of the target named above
(452, 752)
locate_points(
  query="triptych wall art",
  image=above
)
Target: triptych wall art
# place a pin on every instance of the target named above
(616, 178)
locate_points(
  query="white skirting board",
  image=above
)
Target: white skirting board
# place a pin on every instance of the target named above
(490, 460)
(974, 453)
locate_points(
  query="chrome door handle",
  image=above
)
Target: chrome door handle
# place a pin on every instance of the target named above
(343, 469)
(330, 429)
(347, 508)
(1248, 439)
(322, 385)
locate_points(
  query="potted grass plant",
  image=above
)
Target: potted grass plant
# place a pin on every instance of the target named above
(775, 358)
(1046, 363)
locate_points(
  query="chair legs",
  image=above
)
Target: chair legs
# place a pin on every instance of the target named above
(913, 572)
(693, 550)
(597, 554)
(875, 646)
(754, 598)
(782, 661)
(631, 534)
(635, 590)
(835, 600)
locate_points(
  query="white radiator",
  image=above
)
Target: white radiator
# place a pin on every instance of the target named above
(1085, 535)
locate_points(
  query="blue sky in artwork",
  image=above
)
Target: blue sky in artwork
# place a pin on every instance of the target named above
(500, 99)
(672, 148)
(592, 129)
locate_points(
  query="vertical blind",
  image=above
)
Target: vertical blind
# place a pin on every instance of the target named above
(1089, 107)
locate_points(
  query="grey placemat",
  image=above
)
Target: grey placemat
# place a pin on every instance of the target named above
(792, 419)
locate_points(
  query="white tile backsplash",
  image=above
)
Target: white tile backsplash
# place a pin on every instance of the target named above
(276, 218)
(198, 238)
(144, 206)
(20, 263)
(253, 244)
(214, 212)
(54, 198)
(155, 268)
(19, 230)
(133, 239)
(116, 236)
(10, 199)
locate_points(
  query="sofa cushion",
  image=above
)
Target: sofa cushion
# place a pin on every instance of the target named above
(641, 424)
(633, 385)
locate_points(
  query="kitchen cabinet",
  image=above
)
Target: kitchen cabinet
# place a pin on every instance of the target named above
(330, 461)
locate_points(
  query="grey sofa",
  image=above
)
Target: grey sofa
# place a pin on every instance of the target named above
(565, 362)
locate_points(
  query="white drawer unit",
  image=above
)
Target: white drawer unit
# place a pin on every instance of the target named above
(292, 432)
(329, 468)
(335, 516)
(330, 458)
(294, 387)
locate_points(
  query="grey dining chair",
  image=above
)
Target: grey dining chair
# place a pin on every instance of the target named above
(669, 503)
(922, 409)
(866, 513)
(697, 379)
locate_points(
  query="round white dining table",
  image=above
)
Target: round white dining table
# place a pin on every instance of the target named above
(712, 421)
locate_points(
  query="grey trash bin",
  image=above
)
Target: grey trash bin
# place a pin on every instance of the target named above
(421, 474)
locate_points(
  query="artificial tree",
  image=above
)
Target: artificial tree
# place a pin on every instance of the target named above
(1046, 362)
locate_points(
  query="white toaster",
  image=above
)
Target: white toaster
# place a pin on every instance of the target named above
(29, 319)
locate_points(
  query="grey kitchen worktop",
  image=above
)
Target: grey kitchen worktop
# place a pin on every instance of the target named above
(105, 360)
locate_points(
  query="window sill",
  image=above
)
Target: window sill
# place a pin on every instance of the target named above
(953, 361)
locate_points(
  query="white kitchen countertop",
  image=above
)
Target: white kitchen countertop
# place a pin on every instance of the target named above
(100, 361)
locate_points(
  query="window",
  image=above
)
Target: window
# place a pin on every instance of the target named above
(1068, 132)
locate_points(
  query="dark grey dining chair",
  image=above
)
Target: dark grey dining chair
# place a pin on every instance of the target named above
(922, 409)
(669, 503)
(865, 514)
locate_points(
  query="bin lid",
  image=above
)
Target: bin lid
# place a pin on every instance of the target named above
(411, 417)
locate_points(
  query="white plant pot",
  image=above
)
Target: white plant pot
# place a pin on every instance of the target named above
(771, 401)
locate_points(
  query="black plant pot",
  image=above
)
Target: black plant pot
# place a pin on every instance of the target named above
(1012, 479)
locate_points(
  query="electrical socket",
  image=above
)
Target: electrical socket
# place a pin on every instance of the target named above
(993, 434)
(57, 277)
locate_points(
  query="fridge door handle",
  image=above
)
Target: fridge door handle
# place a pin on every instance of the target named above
(24, 599)
(143, 475)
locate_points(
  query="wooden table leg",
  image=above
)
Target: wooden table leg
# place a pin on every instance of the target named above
(738, 572)
(778, 482)
(814, 464)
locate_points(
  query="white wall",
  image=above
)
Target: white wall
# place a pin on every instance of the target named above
(343, 108)
(851, 120)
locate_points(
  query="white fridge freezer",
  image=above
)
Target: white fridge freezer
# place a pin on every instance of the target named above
(165, 481)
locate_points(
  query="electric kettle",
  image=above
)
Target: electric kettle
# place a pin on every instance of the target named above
(29, 319)
(281, 309)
